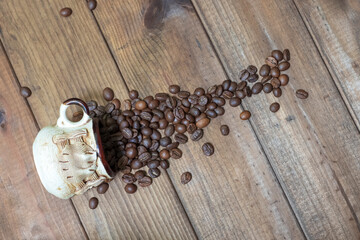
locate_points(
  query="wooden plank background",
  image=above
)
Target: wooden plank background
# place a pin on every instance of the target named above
(292, 175)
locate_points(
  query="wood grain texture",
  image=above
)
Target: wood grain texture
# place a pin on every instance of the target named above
(233, 194)
(27, 211)
(334, 26)
(60, 58)
(313, 145)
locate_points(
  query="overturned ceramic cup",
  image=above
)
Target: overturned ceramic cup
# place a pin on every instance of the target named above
(69, 157)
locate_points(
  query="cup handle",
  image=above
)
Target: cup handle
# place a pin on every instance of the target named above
(63, 121)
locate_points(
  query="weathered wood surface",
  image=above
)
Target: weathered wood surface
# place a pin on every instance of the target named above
(234, 193)
(313, 144)
(27, 210)
(334, 26)
(59, 58)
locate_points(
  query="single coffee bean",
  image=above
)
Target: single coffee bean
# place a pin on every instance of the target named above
(203, 122)
(145, 181)
(130, 188)
(102, 188)
(144, 157)
(251, 69)
(245, 115)
(109, 108)
(136, 164)
(219, 90)
(219, 101)
(131, 152)
(92, 105)
(172, 145)
(154, 172)
(267, 88)
(191, 128)
(241, 85)
(180, 128)
(65, 12)
(140, 174)
(181, 138)
(244, 74)
(271, 61)
(183, 94)
(232, 87)
(127, 104)
(227, 94)
(153, 164)
(253, 78)
(141, 150)
(169, 116)
(284, 79)
(91, 4)
(26, 92)
(286, 55)
(208, 149)
(93, 202)
(164, 154)
(211, 114)
(203, 100)
(256, 88)
(264, 70)
(274, 107)
(127, 133)
(179, 113)
(235, 101)
(140, 105)
(174, 89)
(176, 153)
(108, 94)
(128, 178)
(171, 102)
(275, 72)
(277, 54)
(199, 91)
(133, 94)
(169, 130)
(164, 164)
(224, 129)
(277, 92)
(186, 177)
(284, 66)
(248, 91)
(194, 111)
(302, 94)
(212, 89)
(163, 123)
(226, 84)
(165, 141)
(161, 96)
(219, 111)
(266, 79)
(117, 103)
(153, 104)
(275, 82)
(197, 135)
(156, 135)
(193, 99)
(240, 94)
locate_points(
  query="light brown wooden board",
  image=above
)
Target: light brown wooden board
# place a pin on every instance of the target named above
(60, 58)
(233, 194)
(27, 211)
(313, 144)
(334, 26)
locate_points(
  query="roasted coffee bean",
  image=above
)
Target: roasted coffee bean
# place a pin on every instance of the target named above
(266, 79)
(227, 94)
(241, 85)
(226, 84)
(186, 177)
(154, 172)
(208, 149)
(248, 91)
(235, 101)
(286, 55)
(211, 106)
(181, 138)
(275, 82)
(224, 129)
(219, 111)
(65, 12)
(264, 70)
(176, 153)
(240, 94)
(219, 101)
(163, 123)
(140, 174)
(180, 128)
(277, 54)
(128, 178)
(244, 74)
(219, 90)
(130, 188)
(190, 118)
(203, 100)
(302, 94)
(133, 94)
(211, 114)
(125, 124)
(169, 116)
(146, 131)
(136, 164)
(183, 94)
(154, 155)
(256, 88)
(131, 152)
(174, 89)
(212, 89)
(109, 107)
(172, 145)
(245, 115)
(161, 96)
(171, 102)
(179, 113)
(165, 141)
(169, 130)
(164, 154)
(251, 69)
(194, 111)
(267, 88)
(145, 181)
(253, 78)
(154, 145)
(284, 79)
(275, 72)
(153, 104)
(147, 142)
(274, 107)
(148, 99)
(284, 66)
(164, 164)
(92, 105)
(93, 202)
(271, 61)
(108, 94)
(127, 104)
(153, 164)
(277, 92)
(140, 105)
(232, 87)
(197, 135)
(145, 115)
(191, 128)
(201, 116)
(26, 92)
(156, 135)
(127, 133)
(117, 103)
(203, 122)
(141, 150)
(92, 4)
(144, 157)
(102, 188)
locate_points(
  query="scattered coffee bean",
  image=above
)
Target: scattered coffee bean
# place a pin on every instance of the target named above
(93, 202)
(244, 74)
(131, 188)
(208, 149)
(284, 79)
(275, 82)
(264, 70)
(108, 94)
(154, 172)
(274, 107)
(128, 178)
(241, 85)
(284, 66)
(275, 72)
(133, 94)
(224, 129)
(266, 79)
(176, 153)
(302, 94)
(186, 177)
(253, 78)
(25, 92)
(181, 138)
(140, 174)
(271, 61)
(286, 55)
(197, 135)
(245, 115)
(102, 188)
(267, 88)
(164, 164)
(277, 92)
(256, 88)
(65, 12)
(92, 4)
(203, 122)
(277, 54)
(251, 69)
(174, 89)
(145, 181)
(235, 101)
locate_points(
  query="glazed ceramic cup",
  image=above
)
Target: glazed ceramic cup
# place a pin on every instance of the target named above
(69, 157)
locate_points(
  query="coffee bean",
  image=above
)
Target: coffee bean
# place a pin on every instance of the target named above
(153, 164)
(191, 128)
(140, 105)
(154, 172)
(264, 70)
(145, 181)
(227, 94)
(169, 116)
(256, 88)
(102, 188)
(165, 141)
(193, 99)
(186, 177)
(131, 152)
(232, 87)
(91, 4)
(277, 54)
(140, 174)
(163, 123)
(136, 164)
(128, 178)
(226, 84)
(224, 129)
(179, 113)
(284, 79)
(267, 88)
(109, 107)
(203, 123)
(174, 89)
(26, 92)
(266, 79)
(133, 94)
(141, 150)
(199, 91)
(212, 89)
(203, 100)
(241, 85)
(286, 55)
(183, 94)
(197, 135)
(219, 111)
(302, 94)
(194, 111)
(93, 202)
(144, 157)
(164, 154)
(180, 128)
(235, 101)
(284, 66)
(274, 107)
(251, 69)
(219, 101)
(240, 94)
(161, 96)
(172, 145)
(127, 104)
(130, 188)
(164, 164)
(271, 61)
(181, 138)
(127, 133)
(211, 114)
(65, 12)
(275, 82)
(156, 135)
(253, 78)
(245, 115)
(219, 90)
(169, 130)
(244, 74)
(208, 149)
(248, 91)
(277, 92)
(108, 94)
(275, 72)
(176, 153)
(92, 105)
